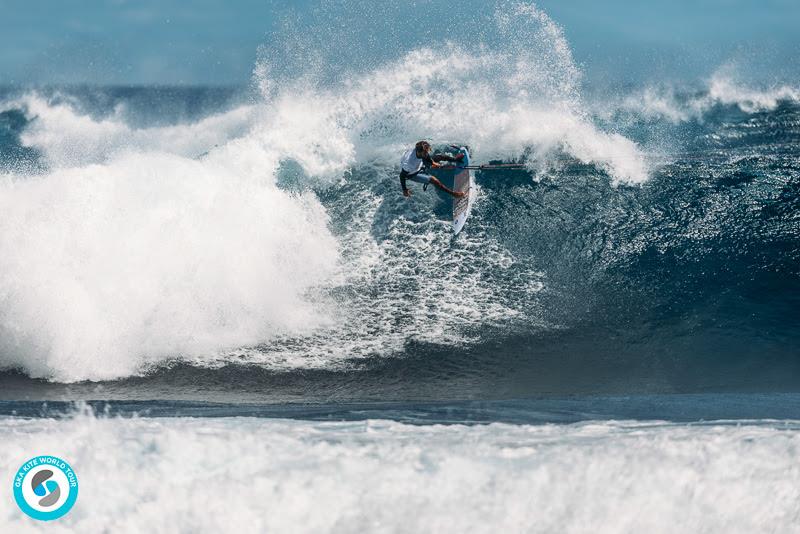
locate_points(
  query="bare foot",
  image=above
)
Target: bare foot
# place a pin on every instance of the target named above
(459, 194)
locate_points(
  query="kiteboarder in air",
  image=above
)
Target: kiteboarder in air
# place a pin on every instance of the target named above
(418, 159)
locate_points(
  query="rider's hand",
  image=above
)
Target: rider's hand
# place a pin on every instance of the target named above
(406, 193)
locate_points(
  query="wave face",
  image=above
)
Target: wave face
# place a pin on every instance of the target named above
(652, 244)
(356, 476)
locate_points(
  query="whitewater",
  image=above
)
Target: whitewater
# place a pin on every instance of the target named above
(385, 476)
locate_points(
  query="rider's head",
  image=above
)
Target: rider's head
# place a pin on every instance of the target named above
(422, 148)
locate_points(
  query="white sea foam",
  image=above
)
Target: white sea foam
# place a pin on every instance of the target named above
(106, 268)
(68, 136)
(724, 87)
(257, 475)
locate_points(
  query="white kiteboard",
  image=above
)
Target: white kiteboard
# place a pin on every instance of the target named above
(464, 181)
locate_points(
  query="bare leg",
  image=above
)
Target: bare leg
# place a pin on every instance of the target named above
(435, 181)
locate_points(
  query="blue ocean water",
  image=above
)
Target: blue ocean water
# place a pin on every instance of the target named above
(185, 268)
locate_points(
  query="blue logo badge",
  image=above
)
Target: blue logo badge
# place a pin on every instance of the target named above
(45, 487)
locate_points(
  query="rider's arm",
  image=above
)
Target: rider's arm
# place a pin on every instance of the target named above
(429, 162)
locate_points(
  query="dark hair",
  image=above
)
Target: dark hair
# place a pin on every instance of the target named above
(422, 146)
